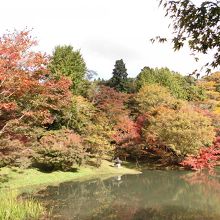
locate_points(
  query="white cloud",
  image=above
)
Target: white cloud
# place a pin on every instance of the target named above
(105, 30)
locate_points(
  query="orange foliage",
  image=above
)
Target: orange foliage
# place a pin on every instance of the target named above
(126, 132)
(29, 96)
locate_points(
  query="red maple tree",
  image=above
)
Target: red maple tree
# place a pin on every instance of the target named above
(30, 96)
(207, 158)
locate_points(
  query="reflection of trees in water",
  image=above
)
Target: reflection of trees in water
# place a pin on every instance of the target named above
(153, 195)
(202, 178)
(172, 213)
(164, 195)
(76, 200)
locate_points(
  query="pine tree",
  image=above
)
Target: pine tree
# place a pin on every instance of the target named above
(119, 78)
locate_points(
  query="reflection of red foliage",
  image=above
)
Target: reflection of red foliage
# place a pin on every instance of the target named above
(208, 157)
(126, 211)
(203, 178)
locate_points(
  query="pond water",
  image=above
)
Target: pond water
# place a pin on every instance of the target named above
(153, 195)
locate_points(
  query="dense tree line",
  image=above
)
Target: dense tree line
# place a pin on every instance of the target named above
(53, 118)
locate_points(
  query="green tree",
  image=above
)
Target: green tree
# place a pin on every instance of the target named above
(164, 77)
(195, 24)
(131, 85)
(119, 78)
(69, 62)
(179, 86)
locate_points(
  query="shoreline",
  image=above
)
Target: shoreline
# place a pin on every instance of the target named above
(29, 180)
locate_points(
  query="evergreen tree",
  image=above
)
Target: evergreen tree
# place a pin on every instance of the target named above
(119, 78)
(66, 61)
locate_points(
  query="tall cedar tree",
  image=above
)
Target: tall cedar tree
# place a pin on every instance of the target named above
(68, 62)
(119, 78)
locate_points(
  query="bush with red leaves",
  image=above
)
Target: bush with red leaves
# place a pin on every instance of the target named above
(207, 158)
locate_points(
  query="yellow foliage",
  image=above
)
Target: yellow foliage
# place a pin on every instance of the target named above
(217, 110)
(185, 131)
(154, 95)
(98, 137)
(80, 114)
(211, 84)
(214, 77)
(213, 95)
(207, 85)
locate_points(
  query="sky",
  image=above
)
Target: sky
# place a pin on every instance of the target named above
(103, 30)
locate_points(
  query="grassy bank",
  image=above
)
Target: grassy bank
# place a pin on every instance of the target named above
(30, 179)
(13, 208)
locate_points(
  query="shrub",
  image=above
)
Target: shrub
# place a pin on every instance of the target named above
(13, 151)
(59, 150)
(185, 131)
(208, 157)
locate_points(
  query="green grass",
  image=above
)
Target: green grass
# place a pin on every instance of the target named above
(14, 181)
(12, 208)
(30, 179)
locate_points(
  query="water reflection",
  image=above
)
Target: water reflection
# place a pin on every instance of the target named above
(156, 195)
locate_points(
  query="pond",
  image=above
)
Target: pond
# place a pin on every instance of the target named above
(153, 195)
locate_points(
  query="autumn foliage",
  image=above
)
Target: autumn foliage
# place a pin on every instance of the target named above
(59, 150)
(207, 157)
(184, 130)
(30, 98)
(45, 124)
(110, 102)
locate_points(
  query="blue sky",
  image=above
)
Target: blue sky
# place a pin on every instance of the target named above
(104, 31)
